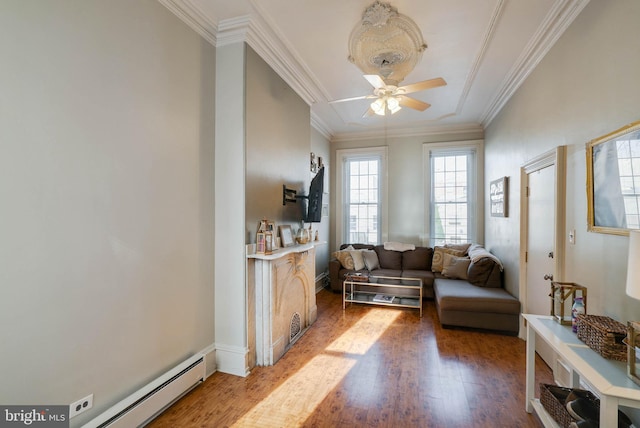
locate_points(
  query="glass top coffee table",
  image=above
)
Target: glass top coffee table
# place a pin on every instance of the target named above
(382, 290)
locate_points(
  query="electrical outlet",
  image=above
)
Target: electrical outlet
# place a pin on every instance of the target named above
(572, 236)
(80, 406)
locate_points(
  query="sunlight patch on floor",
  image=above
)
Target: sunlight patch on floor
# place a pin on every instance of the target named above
(359, 338)
(296, 399)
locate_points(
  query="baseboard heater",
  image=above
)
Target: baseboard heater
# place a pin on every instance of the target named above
(141, 407)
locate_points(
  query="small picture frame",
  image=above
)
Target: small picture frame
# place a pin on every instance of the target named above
(286, 235)
(260, 243)
(499, 197)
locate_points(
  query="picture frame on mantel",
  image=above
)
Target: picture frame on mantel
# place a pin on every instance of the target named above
(499, 197)
(286, 235)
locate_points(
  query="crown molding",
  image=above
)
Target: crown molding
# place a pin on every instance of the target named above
(193, 17)
(557, 21)
(264, 38)
(320, 126)
(491, 30)
(421, 131)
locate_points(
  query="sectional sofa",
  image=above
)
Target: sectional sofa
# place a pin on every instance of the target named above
(465, 281)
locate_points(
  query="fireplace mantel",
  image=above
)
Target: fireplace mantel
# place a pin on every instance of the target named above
(282, 299)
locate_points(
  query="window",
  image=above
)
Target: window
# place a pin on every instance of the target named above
(362, 194)
(453, 211)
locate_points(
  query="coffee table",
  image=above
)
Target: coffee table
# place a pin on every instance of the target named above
(382, 290)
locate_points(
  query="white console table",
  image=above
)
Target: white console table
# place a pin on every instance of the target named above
(607, 378)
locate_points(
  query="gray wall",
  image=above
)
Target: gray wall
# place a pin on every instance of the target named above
(278, 142)
(106, 183)
(585, 87)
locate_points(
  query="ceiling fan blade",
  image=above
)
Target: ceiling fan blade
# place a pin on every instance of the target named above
(421, 86)
(375, 80)
(352, 99)
(413, 103)
(369, 113)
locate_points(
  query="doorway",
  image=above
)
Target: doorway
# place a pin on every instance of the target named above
(542, 229)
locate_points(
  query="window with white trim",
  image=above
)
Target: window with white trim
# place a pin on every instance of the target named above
(454, 214)
(362, 193)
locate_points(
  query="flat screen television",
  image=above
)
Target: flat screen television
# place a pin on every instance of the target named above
(314, 203)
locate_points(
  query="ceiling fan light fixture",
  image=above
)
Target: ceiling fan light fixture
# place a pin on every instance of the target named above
(378, 106)
(393, 105)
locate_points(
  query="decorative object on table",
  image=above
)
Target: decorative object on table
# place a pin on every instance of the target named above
(499, 197)
(286, 235)
(317, 237)
(269, 244)
(562, 295)
(633, 352)
(357, 276)
(260, 243)
(302, 237)
(554, 400)
(383, 298)
(576, 309)
(604, 335)
(633, 290)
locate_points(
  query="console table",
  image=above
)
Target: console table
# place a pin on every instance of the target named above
(607, 378)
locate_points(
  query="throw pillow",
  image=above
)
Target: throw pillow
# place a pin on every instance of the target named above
(438, 257)
(459, 247)
(345, 259)
(358, 260)
(370, 259)
(455, 267)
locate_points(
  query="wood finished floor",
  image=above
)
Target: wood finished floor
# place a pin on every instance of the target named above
(372, 367)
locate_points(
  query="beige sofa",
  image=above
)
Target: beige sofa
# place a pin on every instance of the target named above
(472, 297)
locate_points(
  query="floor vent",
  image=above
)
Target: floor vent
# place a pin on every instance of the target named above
(295, 327)
(142, 406)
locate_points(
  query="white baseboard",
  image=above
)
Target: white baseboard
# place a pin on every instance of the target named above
(232, 360)
(210, 360)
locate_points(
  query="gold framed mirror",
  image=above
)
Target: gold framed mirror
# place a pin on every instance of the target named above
(613, 181)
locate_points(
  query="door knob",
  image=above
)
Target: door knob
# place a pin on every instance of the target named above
(548, 277)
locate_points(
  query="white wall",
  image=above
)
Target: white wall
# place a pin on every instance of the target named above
(106, 183)
(585, 87)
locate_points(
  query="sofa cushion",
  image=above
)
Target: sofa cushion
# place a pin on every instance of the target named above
(460, 247)
(485, 273)
(370, 259)
(455, 267)
(389, 259)
(459, 295)
(345, 259)
(425, 275)
(438, 257)
(358, 259)
(418, 259)
(387, 272)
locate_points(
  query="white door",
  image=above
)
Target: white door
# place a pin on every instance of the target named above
(540, 248)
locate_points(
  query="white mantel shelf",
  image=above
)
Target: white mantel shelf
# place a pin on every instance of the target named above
(281, 252)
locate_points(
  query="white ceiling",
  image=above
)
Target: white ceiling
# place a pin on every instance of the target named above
(484, 49)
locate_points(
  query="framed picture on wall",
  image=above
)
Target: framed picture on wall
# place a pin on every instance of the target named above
(498, 196)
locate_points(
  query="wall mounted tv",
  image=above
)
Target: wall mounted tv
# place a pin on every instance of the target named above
(314, 200)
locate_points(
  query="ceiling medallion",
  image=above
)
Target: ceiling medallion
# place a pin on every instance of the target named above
(386, 42)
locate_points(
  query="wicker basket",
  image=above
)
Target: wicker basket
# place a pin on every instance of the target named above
(553, 398)
(604, 335)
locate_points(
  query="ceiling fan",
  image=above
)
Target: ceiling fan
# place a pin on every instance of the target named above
(390, 98)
